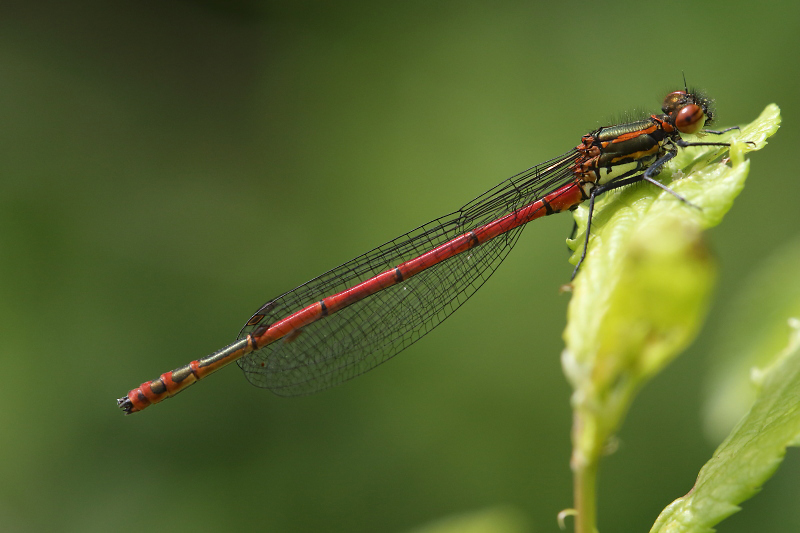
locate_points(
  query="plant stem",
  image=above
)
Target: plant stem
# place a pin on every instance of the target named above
(584, 465)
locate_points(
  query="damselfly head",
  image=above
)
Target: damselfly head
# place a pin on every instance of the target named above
(689, 111)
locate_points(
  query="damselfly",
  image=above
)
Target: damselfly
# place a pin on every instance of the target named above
(358, 315)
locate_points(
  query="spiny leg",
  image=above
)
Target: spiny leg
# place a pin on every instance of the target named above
(647, 176)
(597, 191)
(720, 132)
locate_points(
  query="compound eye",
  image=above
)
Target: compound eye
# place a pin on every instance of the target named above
(673, 101)
(690, 119)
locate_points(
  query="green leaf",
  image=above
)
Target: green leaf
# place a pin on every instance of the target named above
(749, 456)
(500, 519)
(651, 312)
(643, 289)
(753, 331)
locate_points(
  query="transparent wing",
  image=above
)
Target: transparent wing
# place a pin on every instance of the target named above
(363, 335)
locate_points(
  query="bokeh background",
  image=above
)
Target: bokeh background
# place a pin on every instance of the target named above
(169, 166)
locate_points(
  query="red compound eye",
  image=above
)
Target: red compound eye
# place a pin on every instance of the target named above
(690, 119)
(673, 101)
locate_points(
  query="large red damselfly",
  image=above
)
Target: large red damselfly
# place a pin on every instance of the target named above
(358, 315)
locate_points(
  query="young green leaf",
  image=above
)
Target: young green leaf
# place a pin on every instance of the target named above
(629, 316)
(643, 289)
(501, 519)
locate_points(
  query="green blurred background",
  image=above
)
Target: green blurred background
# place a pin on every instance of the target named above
(168, 167)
